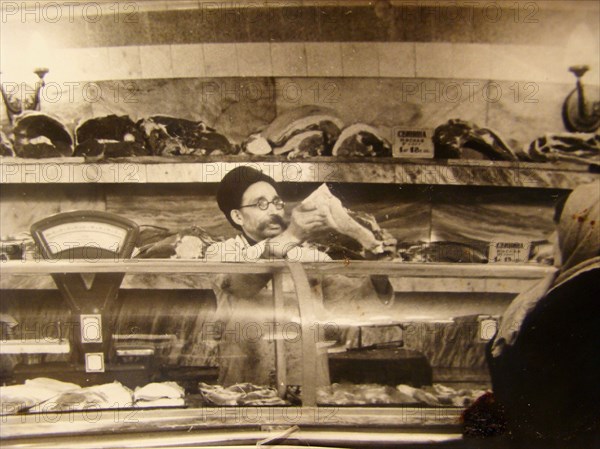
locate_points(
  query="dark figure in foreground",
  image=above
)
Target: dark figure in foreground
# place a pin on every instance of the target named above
(545, 359)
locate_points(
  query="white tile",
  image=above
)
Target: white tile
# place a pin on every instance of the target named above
(94, 61)
(360, 59)
(70, 67)
(472, 61)
(123, 63)
(324, 58)
(288, 59)
(529, 63)
(156, 61)
(187, 60)
(220, 60)
(396, 59)
(434, 60)
(254, 59)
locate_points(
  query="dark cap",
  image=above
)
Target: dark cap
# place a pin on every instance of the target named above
(234, 184)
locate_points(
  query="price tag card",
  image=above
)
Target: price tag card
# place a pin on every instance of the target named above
(412, 142)
(514, 251)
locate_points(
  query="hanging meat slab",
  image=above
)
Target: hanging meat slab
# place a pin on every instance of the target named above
(355, 235)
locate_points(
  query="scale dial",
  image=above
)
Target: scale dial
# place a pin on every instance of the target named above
(84, 234)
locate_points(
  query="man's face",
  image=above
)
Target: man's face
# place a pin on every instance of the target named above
(259, 224)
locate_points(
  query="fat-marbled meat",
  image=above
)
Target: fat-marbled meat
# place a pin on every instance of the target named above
(109, 136)
(301, 120)
(353, 235)
(578, 148)
(361, 140)
(451, 139)
(38, 135)
(303, 145)
(6, 146)
(176, 136)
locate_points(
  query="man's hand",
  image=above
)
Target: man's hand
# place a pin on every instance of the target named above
(306, 219)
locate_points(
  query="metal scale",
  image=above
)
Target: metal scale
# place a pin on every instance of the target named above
(87, 236)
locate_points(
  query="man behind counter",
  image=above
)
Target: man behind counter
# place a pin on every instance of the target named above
(251, 203)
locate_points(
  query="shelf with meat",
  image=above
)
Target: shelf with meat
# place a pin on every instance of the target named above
(316, 138)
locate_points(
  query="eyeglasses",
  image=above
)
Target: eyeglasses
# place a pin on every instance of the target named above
(263, 204)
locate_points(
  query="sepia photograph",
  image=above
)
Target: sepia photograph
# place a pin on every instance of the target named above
(300, 223)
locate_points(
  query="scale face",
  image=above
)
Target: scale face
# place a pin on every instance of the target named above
(85, 234)
(89, 233)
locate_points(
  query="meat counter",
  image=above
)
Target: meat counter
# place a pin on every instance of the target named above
(316, 418)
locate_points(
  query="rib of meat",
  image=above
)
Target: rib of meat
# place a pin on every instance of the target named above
(177, 136)
(361, 140)
(109, 136)
(303, 145)
(302, 119)
(38, 135)
(451, 139)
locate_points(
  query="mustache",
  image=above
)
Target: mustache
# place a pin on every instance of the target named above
(273, 219)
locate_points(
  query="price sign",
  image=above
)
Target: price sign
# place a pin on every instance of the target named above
(515, 251)
(413, 143)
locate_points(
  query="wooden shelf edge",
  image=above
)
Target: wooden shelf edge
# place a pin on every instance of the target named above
(379, 171)
(203, 282)
(355, 268)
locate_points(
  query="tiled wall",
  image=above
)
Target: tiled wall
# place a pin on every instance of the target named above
(510, 62)
(524, 47)
(520, 51)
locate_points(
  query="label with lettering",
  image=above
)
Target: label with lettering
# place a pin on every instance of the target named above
(514, 251)
(413, 143)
